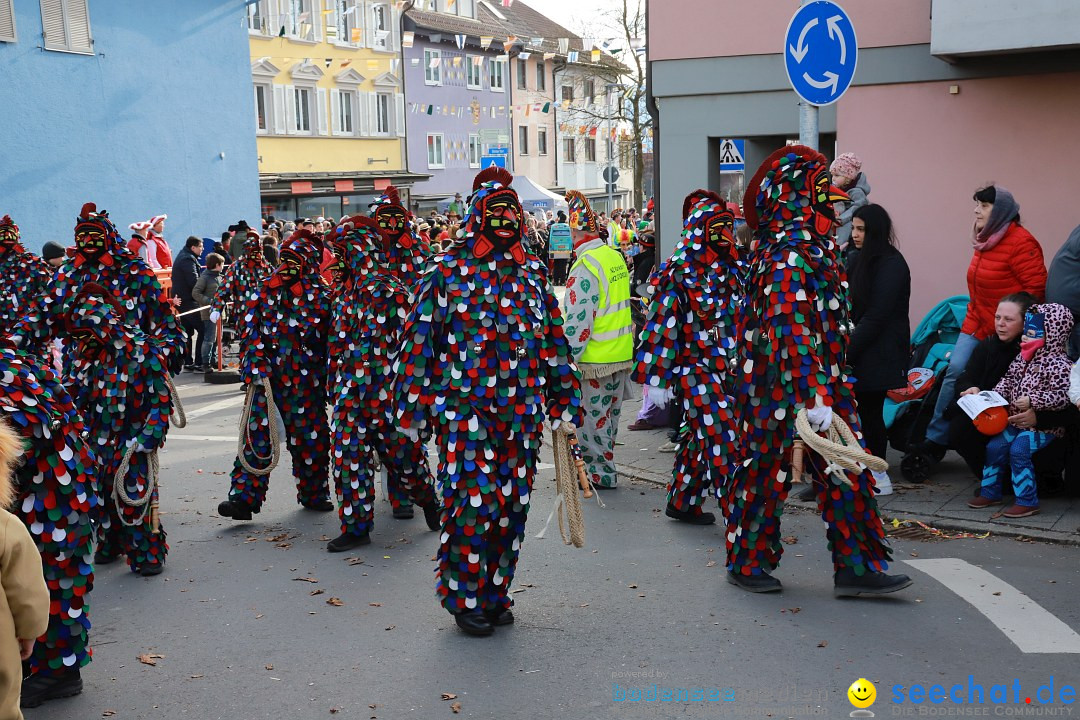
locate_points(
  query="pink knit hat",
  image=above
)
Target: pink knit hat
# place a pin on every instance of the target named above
(848, 165)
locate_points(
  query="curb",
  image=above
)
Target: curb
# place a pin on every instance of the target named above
(942, 523)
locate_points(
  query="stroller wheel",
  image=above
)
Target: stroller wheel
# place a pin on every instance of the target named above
(915, 467)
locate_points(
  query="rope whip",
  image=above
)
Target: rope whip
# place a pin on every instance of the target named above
(839, 447)
(245, 430)
(570, 476)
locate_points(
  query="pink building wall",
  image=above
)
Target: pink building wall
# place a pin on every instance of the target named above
(925, 151)
(681, 29)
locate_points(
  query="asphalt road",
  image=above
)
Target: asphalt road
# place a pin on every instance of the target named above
(242, 623)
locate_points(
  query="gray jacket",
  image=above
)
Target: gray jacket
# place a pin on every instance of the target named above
(846, 210)
(205, 289)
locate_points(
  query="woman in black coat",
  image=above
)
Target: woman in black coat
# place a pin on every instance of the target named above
(880, 284)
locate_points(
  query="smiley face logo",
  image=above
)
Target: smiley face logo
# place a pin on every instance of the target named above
(862, 693)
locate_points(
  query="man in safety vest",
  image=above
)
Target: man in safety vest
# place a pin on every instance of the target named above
(600, 330)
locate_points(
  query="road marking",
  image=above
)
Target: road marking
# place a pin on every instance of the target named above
(1034, 630)
(544, 466)
(215, 406)
(206, 438)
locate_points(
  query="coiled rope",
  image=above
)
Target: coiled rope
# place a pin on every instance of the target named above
(839, 447)
(245, 442)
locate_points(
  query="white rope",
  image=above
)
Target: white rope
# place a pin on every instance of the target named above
(245, 431)
(839, 447)
(567, 484)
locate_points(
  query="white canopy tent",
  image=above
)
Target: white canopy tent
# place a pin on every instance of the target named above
(536, 198)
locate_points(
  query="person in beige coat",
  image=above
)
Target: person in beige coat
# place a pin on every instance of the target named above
(24, 602)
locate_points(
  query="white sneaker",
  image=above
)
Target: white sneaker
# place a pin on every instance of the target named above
(883, 482)
(669, 447)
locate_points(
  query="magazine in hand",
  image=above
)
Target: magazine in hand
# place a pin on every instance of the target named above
(977, 402)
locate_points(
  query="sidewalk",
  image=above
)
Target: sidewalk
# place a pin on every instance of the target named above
(941, 503)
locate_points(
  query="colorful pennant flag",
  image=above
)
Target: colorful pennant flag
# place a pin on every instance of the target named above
(407, 38)
(460, 40)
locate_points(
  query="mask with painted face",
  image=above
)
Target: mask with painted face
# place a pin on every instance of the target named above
(9, 234)
(502, 222)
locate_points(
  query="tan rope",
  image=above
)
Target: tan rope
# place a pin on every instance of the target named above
(245, 433)
(839, 447)
(567, 486)
(177, 416)
(119, 491)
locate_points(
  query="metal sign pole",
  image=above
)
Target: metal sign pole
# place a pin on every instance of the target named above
(808, 118)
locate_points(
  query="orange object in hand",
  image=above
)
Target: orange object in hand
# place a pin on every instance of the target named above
(992, 421)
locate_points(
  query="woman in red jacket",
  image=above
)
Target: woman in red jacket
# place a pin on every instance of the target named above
(1007, 259)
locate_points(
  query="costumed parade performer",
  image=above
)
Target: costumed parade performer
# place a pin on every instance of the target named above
(793, 355)
(241, 281)
(599, 326)
(483, 362)
(369, 310)
(284, 365)
(688, 345)
(23, 276)
(404, 255)
(57, 498)
(119, 381)
(101, 258)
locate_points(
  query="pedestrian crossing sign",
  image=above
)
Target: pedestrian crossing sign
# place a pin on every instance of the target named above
(731, 155)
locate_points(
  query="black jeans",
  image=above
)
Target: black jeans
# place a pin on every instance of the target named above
(871, 405)
(194, 327)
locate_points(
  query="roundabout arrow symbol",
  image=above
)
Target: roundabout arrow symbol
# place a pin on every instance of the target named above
(834, 27)
(800, 52)
(832, 80)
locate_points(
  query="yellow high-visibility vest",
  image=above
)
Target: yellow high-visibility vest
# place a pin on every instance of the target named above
(612, 339)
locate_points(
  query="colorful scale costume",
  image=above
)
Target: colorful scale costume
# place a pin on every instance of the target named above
(101, 258)
(688, 347)
(795, 340)
(119, 382)
(23, 276)
(402, 254)
(241, 281)
(58, 500)
(285, 329)
(369, 310)
(483, 353)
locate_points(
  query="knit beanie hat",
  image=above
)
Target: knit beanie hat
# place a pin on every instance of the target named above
(52, 250)
(847, 164)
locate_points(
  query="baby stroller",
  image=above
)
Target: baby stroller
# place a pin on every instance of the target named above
(908, 410)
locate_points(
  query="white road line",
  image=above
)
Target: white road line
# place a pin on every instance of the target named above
(204, 438)
(215, 406)
(1030, 626)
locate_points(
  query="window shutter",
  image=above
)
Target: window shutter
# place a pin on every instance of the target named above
(7, 21)
(399, 114)
(290, 110)
(330, 15)
(78, 26)
(52, 23)
(320, 110)
(393, 42)
(373, 113)
(368, 23)
(363, 119)
(318, 20)
(335, 111)
(278, 125)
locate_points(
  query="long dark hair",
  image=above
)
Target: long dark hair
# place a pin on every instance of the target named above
(879, 240)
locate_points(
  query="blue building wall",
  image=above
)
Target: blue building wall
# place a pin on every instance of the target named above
(138, 127)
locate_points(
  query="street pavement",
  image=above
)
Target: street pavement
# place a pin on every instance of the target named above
(244, 627)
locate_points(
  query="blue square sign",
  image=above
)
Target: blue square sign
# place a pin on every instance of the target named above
(732, 153)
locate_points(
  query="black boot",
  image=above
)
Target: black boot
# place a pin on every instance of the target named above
(847, 584)
(38, 688)
(403, 512)
(323, 505)
(347, 541)
(499, 617)
(432, 515)
(234, 509)
(105, 557)
(151, 568)
(473, 622)
(694, 518)
(761, 583)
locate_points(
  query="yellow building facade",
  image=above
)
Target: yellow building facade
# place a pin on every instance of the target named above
(329, 104)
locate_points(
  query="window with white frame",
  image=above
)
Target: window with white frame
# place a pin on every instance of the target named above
(380, 25)
(66, 26)
(7, 21)
(568, 92)
(590, 91)
(569, 150)
(302, 106)
(263, 103)
(475, 150)
(348, 22)
(301, 20)
(523, 139)
(590, 149)
(435, 150)
(432, 67)
(467, 8)
(383, 110)
(497, 74)
(474, 72)
(346, 112)
(522, 70)
(541, 141)
(258, 16)
(541, 75)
